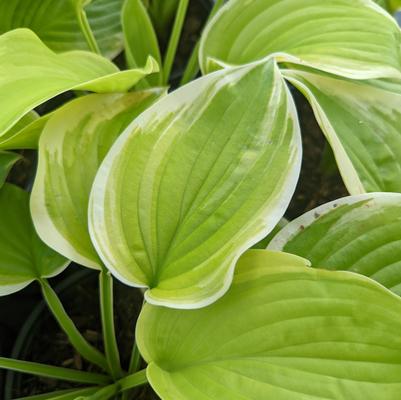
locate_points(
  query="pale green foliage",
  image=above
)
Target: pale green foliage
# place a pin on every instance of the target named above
(7, 160)
(358, 233)
(31, 74)
(283, 331)
(56, 22)
(73, 144)
(196, 180)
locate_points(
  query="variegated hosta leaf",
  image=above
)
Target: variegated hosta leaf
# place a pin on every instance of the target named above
(356, 39)
(56, 23)
(23, 256)
(196, 180)
(7, 160)
(72, 146)
(284, 332)
(30, 74)
(140, 38)
(362, 122)
(358, 233)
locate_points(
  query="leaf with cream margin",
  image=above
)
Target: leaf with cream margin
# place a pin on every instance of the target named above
(357, 233)
(356, 39)
(7, 160)
(362, 122)
(56, 23)
(196, 180)
(283, 331)
(30, 74)
(71, 148)
(140, 39)
(23, 256)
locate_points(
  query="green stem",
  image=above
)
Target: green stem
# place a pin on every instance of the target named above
(133, 380)
(192, 67)
(174, 39)
(50, 371)
(68, 394)
(105, 393)
(134, 365)
(77, 340)
(107, 316)
(87, 31)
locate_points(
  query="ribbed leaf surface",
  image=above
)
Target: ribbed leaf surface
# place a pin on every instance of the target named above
(358, 233)
(196, 180)
(283, 331)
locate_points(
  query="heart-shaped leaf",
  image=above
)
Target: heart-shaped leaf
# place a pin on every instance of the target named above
(72, 146)
(361, 120)
(358, 233)
(284, 332)
(23, 256)
(196, 180)
(32, 74)
(140, 38)
(356, 39)
(56, 23)
(7, 160)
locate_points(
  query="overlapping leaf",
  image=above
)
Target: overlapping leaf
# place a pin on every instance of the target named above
(72, 146)
(56, 23)
(7, 160)
(196, 180)
(361, 120)
(140, 38)
(30, 74)
(284, 332)
(23, 256)
(358, 233)
(356, 39)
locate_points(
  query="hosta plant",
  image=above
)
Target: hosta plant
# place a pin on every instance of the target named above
(166, 189)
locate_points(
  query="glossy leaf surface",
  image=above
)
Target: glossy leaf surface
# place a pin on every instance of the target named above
(31, 74)
(361, 120)
(72, 146)
(358, 233)
(140, 38)
(56, 23)
(283, 331)
(196, 180)
(23, 256)
(356, 39)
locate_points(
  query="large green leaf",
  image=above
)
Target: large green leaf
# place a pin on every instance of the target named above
(7, 160)
(197, 179)
(284, 332)
(361, 120)
(358, 233)
(23, 256)
(140, 38)
(356, 39)
(56, 23)
(31, 74)
(72, 146)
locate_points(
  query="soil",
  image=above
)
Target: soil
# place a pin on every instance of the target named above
(319, 183)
